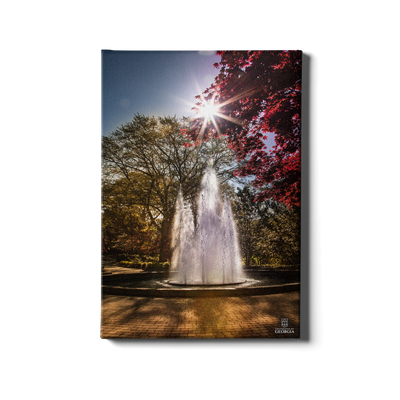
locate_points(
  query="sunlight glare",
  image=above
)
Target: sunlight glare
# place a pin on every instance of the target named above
(208, 110)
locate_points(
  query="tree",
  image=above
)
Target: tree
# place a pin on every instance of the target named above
(247, 217)
(152, 159)
(259, 94)
(126, 226)
(269, 232)
(281, 234)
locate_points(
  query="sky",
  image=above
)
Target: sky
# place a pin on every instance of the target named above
(152, 83)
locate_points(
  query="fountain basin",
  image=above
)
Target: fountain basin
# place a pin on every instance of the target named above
(200, 292)
(196, 284)
(158, 285)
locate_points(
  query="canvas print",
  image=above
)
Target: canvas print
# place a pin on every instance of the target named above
(201, 188)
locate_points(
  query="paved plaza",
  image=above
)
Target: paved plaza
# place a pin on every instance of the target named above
(210, 317)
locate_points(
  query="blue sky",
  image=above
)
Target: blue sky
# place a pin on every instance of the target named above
(152, 83)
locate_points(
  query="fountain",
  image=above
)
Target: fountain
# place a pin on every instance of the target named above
(206, 258)
(208, 254)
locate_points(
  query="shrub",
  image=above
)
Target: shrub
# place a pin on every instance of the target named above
(135, 259)
(159, 267)
(155, 266)
(122, 257)
(126, 264)
(130, 264)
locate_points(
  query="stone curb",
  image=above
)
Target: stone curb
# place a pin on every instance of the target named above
(206, 292)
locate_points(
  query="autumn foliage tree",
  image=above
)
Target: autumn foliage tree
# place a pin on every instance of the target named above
(126, 224)
(269, 231)
(144, 164)
(259, 95)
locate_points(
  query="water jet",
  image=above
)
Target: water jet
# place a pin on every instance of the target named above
(209, 253)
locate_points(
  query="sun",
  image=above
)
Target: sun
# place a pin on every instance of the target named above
(208, 109)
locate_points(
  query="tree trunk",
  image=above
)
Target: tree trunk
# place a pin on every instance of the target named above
(165, 240)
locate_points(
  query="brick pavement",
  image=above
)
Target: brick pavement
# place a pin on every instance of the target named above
(218, 317)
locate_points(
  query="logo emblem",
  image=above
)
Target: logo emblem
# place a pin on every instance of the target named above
(284, 327)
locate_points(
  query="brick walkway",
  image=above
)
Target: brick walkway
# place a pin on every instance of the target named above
(226, 317)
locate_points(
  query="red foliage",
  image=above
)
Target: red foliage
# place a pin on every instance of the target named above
(261, 90)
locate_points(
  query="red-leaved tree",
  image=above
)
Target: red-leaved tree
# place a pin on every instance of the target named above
(258, 93)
